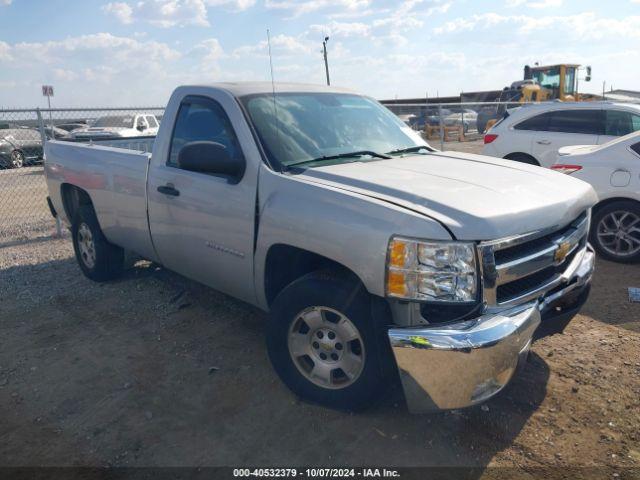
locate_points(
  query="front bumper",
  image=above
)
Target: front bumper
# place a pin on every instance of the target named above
(462, 364)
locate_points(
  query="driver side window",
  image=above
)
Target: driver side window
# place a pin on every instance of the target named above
(202, 120)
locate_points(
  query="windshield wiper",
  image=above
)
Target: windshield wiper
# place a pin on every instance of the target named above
(416, 149)
(359, 153)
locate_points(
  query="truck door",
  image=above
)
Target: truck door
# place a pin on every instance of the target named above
(567, 127)
(202, 224)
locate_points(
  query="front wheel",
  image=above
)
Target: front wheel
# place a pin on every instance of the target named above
(323, 343)
(615, 231)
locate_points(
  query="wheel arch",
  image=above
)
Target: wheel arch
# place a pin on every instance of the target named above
(514, 156)
(73, 197)
(285, 263)
(607, 201)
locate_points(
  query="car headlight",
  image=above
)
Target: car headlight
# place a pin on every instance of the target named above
(431, 271)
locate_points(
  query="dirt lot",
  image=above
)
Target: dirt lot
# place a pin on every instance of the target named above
(157, 370)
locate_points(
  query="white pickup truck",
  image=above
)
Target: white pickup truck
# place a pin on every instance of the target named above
(375, 255)
(119, 126)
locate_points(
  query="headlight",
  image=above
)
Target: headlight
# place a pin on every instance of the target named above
(431, 271)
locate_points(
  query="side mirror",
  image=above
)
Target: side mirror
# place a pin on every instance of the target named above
(210, 157)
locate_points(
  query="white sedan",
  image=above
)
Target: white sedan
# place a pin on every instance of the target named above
(613, 169)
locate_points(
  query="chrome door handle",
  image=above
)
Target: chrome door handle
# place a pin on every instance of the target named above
(543, 142)
(169, 189)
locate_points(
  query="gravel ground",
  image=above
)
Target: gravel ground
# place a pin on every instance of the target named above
(155, 370)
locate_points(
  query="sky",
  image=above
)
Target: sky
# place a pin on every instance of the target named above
(135, 52)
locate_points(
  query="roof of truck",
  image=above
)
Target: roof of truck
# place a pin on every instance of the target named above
(240, 89)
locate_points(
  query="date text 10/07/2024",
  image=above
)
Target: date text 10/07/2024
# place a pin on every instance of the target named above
(317, 472)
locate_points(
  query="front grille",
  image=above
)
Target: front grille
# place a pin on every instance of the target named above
(527, 248)
(514, 289)
(517, 270)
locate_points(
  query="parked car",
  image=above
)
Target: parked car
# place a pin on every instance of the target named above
(19, 147)
(613, 170)
(54, 132)
(430, 117)
(408, 118)
(466, 117)
(374, 254)
(534, 133)
(69, 127)
(119, 126)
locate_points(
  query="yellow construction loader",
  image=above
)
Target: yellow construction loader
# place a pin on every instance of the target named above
(540, 84)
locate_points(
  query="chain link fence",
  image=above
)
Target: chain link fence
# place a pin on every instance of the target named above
(24, 213)
(451, 126)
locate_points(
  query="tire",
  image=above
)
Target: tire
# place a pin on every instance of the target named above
(617, 242)
(99, 260)
(522, 158)
(17, 159)
(327, 298)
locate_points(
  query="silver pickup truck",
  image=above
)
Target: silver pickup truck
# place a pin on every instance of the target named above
(376, 256)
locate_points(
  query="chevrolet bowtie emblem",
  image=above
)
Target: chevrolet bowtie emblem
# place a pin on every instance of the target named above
(562, 252)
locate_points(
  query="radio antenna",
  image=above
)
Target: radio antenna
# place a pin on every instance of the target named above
(273, 90)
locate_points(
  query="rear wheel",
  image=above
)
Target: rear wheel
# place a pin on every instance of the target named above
(323, 342)
(17, 159)
(615, 231)
(522, 158)
(99, 260)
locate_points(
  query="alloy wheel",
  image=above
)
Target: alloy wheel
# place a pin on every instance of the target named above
(17, 159)
(326, 347)
(619, 233)
(86, 245)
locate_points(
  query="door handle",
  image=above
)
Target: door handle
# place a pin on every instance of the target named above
(544, 142)
(169, 189)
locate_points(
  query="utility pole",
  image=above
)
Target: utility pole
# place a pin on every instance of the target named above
(326, 63)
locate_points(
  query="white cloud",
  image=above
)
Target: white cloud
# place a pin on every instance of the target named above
(98, 49)
(5, 51)
(585, 25)
(393, 38)
(122, 11)
(165, 13)
(535, 4)
(210, 51)
(62, 74)
(342, 29)
(235, 4)
(300, 7)
(281, 45)
(5, 2)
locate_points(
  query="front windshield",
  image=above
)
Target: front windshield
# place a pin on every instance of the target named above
(310, 126)
(121, 121)
(549, 78)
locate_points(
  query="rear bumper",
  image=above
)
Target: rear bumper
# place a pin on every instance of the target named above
(462, 364)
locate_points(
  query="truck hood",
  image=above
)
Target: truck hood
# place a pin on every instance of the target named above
(475, 197)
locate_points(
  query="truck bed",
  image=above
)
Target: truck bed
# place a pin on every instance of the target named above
(116, 181)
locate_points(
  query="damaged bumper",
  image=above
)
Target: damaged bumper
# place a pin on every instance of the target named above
(458, 365)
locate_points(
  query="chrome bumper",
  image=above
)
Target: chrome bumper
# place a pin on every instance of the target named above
(462, 364)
